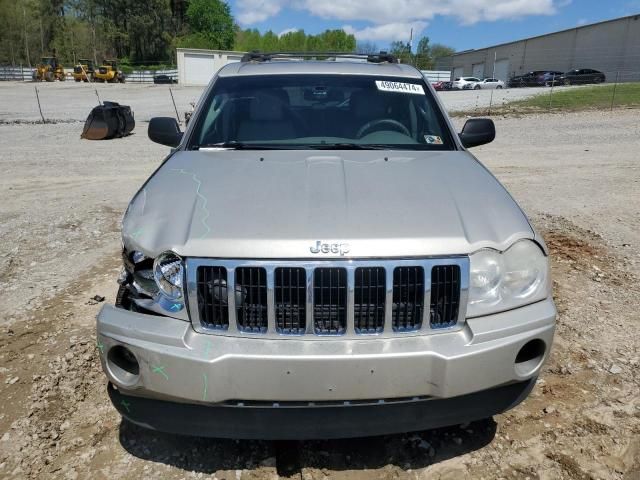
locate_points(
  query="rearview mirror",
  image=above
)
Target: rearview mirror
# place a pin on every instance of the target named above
(477, 131)
(165, 131)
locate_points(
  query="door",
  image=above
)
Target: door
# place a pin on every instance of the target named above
(457, 72)
(502, 70)
(478, 70)
(199, 68)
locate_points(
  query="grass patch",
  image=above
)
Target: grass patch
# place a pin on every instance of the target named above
(562, 99)
(584, 98)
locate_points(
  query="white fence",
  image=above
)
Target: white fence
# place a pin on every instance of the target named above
(437, 75)
(146, 76)
(137, 76)
(15, 73)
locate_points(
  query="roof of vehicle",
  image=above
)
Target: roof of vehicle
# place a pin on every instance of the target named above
(320, 67)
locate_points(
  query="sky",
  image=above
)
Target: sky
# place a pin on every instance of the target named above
(461, 24)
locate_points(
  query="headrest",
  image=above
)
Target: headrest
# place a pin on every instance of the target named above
(368, 104)
(266, 107)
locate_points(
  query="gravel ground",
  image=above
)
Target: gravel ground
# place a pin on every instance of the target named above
(65, 101)
(578, 178)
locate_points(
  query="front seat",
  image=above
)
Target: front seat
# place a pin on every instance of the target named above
(267, 120)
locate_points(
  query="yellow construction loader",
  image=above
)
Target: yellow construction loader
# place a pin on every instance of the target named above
(83, 71)
(108, 72)
(49, 70)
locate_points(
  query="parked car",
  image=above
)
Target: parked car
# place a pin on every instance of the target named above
(440, 86)
(486, 84)
(160, 79)
(280, 281)
(536, 78)
(548, 78)
(581, 77)
(459, 83)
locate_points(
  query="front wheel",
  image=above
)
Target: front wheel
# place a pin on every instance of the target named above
(477, 87)
(597, 80)
(499, 87)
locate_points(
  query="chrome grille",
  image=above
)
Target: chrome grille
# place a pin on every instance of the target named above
(251, 299)
(330, 301)
(408, 298)
(369, 299)
(290, 300)
(445, 295)
(325, 299)
(213, 303)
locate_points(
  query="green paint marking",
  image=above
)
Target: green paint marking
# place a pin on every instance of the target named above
(100, 346)
(204, 218)
(204, 393)
(160, 370)
(126, 405)
(137, 233)
(207, 349)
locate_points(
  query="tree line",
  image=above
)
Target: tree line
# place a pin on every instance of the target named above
(147, 32)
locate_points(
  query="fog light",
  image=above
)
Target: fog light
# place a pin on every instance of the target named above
(530, 357)
(123, 365)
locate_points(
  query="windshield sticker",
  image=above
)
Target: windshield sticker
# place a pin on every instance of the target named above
(433, 140)
(399, 87)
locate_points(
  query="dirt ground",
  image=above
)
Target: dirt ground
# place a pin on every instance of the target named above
(62, 198)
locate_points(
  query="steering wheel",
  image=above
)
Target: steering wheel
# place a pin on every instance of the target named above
(374, 123)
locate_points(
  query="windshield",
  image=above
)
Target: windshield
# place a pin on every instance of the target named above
(320, 111)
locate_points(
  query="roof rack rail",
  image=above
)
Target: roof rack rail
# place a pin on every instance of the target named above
(257, 56)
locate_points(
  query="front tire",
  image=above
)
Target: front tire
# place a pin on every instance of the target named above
(499, 87)
(477, 87)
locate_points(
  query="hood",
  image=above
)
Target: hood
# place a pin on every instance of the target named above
(290, 204)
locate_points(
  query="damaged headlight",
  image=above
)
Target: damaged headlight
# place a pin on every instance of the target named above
(502, 281)
(168, 272)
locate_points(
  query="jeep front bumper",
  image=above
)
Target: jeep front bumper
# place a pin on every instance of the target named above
(248, 387)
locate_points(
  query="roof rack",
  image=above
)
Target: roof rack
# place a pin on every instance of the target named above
(256, 56)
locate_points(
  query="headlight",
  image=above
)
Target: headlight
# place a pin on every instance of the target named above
(502, 281)
(168, 273)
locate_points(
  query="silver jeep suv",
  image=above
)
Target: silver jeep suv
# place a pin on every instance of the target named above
(320, 256)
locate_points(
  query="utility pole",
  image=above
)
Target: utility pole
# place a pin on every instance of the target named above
(41, 39)
(26, 40)
(495, 57)
(411, 46)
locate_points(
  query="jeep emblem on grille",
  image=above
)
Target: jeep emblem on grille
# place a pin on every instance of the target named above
(339, 248)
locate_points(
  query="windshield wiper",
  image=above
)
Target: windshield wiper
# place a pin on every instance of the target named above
(348, 146)
(233, 145)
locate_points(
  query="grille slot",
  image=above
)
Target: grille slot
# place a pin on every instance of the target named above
(369, 303)
(213, 301)
(290, 300)
(330, 301)
(445, 296)
(251, 299)
(408, 298)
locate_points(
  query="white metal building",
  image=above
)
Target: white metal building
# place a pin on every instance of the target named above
(196, 67)
(612, 47)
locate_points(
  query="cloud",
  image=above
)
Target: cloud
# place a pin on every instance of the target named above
(388, 31)
(386, 11)
(389, 19)
(288, 30)
(255, 11)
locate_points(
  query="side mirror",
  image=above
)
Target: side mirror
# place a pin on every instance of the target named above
(165, 131)
(477, 131)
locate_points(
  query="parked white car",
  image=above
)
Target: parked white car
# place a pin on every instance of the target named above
(486, 84)
(461, 82)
